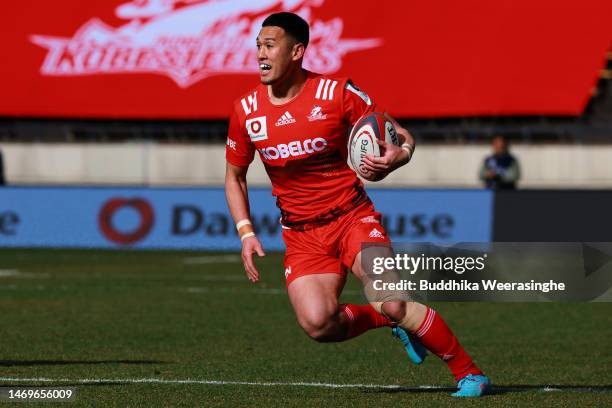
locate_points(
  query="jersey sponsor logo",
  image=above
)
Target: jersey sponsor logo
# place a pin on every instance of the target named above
(285, 119)
(257, 128)
(249, 104)
(231, 143)
(359, 93)
(296, 148)
(325, 90)
(376, 234)
(189, 40)
(369, 220)
(316, 114)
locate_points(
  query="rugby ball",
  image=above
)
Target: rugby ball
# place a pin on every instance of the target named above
(362, 140)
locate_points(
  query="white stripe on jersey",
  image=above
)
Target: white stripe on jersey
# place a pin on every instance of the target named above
(325, 89)
(318, 95)
(331, 90)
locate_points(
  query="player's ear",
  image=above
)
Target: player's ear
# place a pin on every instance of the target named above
(298, 51)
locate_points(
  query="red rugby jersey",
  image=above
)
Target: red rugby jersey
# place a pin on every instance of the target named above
(303, 146)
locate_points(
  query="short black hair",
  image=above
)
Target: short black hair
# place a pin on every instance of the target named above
(293, 25)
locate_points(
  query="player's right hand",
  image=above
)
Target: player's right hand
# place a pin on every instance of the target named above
(374, 175)
(250, 246)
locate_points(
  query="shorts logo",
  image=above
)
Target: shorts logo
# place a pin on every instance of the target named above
(287, 272)
(369, 220)
(257, 128)
(376, 234)
(316, 114)
(286, 119)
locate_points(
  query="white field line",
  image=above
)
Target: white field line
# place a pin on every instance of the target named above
(16, 273)
(192, 381)
(262, 291)
(266, 384)
(219, 277)
(271, 384)
(212, 259)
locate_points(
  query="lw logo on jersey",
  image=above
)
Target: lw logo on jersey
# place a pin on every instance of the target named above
(286, 119)
(249, 104)
(316, 114)
(257, 128)
(189, 40)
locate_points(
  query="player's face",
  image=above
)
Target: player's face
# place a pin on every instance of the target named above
(276, 54)
(499, 146)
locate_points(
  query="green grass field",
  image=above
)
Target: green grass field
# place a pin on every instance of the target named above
(114, 317)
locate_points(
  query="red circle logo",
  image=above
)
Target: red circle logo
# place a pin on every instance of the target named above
(105, 220)
(255, 126)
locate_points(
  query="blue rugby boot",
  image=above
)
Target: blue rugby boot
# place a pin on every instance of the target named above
(414, 348)
(473, 386)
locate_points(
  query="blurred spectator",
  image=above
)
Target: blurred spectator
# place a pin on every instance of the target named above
(2, 180)
(500, 171)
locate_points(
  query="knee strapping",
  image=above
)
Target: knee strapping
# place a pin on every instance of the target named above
(408, 315)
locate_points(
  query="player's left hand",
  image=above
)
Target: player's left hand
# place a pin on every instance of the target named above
(251, 246)
(392, 157)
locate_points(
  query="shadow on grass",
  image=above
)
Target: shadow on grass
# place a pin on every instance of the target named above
(502, 389)
(32, 363)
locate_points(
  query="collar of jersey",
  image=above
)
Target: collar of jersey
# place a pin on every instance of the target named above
(309, 77)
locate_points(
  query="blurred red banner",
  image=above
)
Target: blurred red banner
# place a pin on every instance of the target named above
(192, 58)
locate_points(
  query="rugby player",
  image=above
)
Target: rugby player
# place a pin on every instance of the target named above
(298, 122)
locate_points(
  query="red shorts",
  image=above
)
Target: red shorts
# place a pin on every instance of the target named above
(332, 247)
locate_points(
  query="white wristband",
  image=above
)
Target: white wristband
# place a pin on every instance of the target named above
(248, 234)
(408, 148)
(242, 223)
